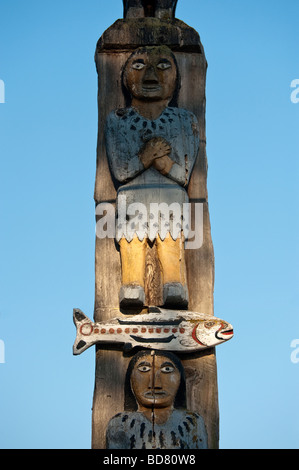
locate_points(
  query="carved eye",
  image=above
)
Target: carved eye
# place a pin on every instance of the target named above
(209, 324)
(164, 65)
(167, 369)
(138, 66)
(143, 368)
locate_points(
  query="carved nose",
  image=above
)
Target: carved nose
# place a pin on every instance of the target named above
(157, 384)
(150, 76)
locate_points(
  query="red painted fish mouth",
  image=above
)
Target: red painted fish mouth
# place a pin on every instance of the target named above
(220, 334)
(227, 332)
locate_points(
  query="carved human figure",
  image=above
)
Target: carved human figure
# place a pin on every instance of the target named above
(156, 394)
(152, 146)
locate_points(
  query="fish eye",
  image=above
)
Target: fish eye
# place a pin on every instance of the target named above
(138, 65)
(224, 324)
(167, 369)
(143, 368)
(209, 324)
(164, 65)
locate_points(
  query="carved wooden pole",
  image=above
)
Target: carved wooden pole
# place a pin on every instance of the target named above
(152, 149)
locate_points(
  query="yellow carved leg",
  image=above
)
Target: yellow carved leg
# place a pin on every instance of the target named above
(172, 259)
(133, 272)
(133, 261)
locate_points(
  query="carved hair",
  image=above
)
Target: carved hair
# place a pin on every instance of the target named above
(130, 400)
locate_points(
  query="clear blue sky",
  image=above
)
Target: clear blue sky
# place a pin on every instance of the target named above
(48, 132)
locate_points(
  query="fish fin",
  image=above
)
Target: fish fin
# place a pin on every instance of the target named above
(77, 348)
(138, 339)
(79, 316)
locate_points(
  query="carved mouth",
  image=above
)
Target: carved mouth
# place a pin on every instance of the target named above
(154, 394)
(151, 88)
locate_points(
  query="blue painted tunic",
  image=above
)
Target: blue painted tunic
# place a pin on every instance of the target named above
(132, 430)
(126, 132)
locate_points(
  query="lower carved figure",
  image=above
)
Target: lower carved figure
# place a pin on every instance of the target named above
(156, 417)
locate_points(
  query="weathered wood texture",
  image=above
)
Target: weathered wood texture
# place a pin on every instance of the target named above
(113, 49)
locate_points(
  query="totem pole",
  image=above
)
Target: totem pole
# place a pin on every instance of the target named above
(154, 326)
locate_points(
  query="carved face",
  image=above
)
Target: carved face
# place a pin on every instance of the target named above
(151, 74)
(155, 381)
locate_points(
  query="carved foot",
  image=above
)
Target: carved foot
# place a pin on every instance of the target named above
(131, 296)
(175, 295)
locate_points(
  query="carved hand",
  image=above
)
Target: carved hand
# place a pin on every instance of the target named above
(163, 164)
(155, 148)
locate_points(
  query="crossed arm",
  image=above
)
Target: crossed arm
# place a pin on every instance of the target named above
(156, 153)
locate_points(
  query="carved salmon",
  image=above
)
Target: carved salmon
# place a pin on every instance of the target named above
(171, 330)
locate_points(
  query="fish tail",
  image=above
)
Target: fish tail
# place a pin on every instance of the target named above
(80, 319)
